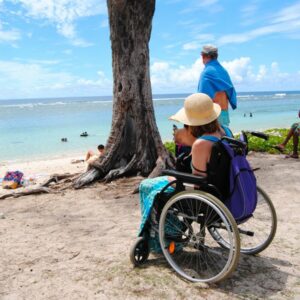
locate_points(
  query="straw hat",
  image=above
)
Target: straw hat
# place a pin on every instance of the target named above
(198, 109)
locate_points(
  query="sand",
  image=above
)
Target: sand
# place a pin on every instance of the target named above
(75, 244)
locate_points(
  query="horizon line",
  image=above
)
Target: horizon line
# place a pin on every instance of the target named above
(179, 93)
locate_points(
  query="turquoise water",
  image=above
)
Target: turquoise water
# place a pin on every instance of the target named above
(33, 128)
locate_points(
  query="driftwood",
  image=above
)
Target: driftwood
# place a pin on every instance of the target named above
(61, 182)
(38, 190)
(56, 178)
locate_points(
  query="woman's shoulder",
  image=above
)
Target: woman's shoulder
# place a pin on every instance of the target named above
(200, 144)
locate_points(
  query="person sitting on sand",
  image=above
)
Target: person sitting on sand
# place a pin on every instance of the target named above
(293, 132)
(91, 156)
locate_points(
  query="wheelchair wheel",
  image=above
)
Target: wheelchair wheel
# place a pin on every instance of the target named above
(257, 232)
(139, 252)
(191, 252)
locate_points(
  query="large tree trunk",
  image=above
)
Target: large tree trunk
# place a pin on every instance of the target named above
(134, 145)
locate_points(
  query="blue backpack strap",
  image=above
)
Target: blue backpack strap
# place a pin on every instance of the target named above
(227, 131)
(210, 138)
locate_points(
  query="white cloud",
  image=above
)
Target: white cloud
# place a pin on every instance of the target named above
(198, 42)
(63, 14)
(285, 21)
(288, 14)
(249, 13)
(159, 67)
(101, 82)
(211, 6)
(104, 23)
(38, 79)
(191, 46)
(167, 77)
(8, 36)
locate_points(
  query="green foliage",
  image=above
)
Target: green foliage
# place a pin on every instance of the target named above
(170, 146)
(276, 136)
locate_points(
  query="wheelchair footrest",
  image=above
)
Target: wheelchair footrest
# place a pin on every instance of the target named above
(246, 232)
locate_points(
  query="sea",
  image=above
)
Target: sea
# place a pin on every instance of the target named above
(32, 129)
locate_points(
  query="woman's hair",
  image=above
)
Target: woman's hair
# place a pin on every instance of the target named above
(211, 127)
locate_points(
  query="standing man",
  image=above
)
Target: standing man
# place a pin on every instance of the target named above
(216, 83)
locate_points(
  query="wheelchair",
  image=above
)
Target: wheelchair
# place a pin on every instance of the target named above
(197, 233)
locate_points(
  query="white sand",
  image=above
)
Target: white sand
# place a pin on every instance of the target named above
(38, 171)
(75, 245)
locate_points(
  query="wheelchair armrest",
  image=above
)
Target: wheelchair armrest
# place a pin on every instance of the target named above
(185, 177)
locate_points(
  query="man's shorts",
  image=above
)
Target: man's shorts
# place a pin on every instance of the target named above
(224, 118)
(296, 128)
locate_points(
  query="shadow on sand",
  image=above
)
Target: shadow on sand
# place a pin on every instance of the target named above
(255, 277)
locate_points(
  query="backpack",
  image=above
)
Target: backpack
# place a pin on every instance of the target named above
(229, 170)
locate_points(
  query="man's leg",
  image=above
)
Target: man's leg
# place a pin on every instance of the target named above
(295, 144)
(286, 140)
(89, 154)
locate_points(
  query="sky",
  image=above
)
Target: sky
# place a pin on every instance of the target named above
(61, 48)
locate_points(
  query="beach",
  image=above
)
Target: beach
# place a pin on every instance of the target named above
(75, 244)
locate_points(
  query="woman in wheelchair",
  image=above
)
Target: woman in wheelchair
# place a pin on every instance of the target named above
(200, 118)
(195, 231)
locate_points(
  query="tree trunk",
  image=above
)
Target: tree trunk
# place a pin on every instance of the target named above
(134, 145)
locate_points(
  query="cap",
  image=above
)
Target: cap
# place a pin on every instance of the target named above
(209, 49)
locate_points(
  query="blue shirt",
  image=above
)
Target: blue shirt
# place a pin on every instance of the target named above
(215, 78)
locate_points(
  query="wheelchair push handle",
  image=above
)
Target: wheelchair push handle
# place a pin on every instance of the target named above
(258, 134)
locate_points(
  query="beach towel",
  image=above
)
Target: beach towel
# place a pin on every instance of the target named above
(215, 78)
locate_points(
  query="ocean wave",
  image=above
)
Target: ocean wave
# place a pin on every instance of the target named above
(279, 95)
(31, 105)
(245, 96)
(168, 99)
(58, 103)
(98, 102)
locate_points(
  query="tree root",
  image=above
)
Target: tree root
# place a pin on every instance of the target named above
(88, 177)
(116, 173)
(162, 163)
(58, 177)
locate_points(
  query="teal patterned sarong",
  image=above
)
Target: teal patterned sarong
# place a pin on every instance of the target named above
(149, 188)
